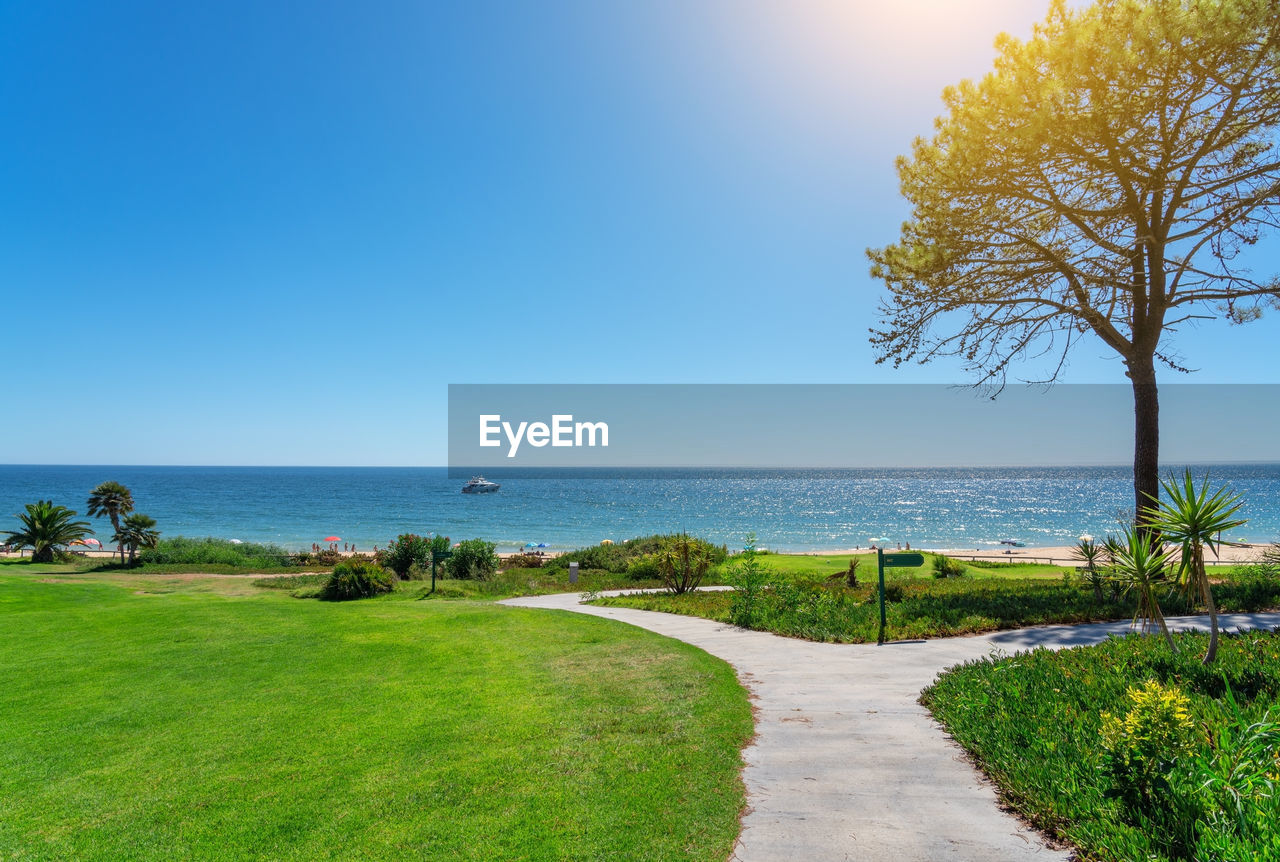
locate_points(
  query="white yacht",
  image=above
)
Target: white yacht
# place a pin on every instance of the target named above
(480, 485)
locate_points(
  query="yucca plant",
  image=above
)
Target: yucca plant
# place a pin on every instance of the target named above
(1143, 568)
(682, 563)
(1092, 556)
(1193, 518)
(45, 528)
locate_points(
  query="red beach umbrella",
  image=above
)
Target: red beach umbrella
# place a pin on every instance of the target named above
(333, 538)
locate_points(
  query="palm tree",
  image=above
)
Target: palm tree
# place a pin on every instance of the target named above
(45, 528)
(113, 500)
(1143, 568)
(137, 532)
(1193, 519)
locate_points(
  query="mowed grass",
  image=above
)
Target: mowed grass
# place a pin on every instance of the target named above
(184, 723)
(810, 566)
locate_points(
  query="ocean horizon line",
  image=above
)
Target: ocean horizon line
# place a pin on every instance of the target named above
(1247, 462)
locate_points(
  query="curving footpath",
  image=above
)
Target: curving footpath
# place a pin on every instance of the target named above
(846, 765)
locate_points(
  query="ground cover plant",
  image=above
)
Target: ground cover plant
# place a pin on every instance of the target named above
(179, 723)
(1127, 750)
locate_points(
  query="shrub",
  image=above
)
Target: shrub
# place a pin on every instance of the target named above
(644, 568)
(473, 560)
(682, 562)
(945, 567)
(523, 561)
(408, 550)
(357, 580)
(1140, 753)
(618, 558)
(750, 578)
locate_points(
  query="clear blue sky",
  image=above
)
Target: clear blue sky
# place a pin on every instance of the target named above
(268, 233)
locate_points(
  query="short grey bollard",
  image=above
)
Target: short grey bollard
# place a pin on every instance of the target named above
(573, 573)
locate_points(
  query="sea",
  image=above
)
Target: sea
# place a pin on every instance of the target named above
(786, 509)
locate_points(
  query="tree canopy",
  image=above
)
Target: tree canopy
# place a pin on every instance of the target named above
(1107, 177)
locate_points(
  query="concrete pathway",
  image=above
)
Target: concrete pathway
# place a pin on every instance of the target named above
(846, 765)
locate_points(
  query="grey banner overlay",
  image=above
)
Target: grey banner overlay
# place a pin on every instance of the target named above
(834, 425)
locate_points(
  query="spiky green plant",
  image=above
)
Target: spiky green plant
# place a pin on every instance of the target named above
(112, 500)
(1194, 518)
(1092, 556)
(138, 531)
(45, 528)
(1143, 568)
(682, 563)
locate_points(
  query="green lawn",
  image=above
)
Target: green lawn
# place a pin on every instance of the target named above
(147, 717)
(813, 566)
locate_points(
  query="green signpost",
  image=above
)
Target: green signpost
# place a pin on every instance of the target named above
(884, 560)
(436, 558)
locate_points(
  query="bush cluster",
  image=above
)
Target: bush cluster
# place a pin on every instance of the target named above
(945, 567)
(407, 551)
(621, 557)
(357, 579)
(473, 560)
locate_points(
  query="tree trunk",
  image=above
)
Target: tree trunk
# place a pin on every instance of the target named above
(1146, 436)
(115, 524)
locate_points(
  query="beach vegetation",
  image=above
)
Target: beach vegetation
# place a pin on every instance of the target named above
(197, 721)
(405, 552)
(325, 557)
(215, 553)
(357, 579)
(945, 567)
(618, 558)
(137, 531)
(473, 560)
(1195, 519)
(682, 563)
(644, 568)
(1127, 750)
(849, 577)
(1104, 183)
(750, 576)
(1143, 569)
(1092, 570)
(111, 499)
(47, 529)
